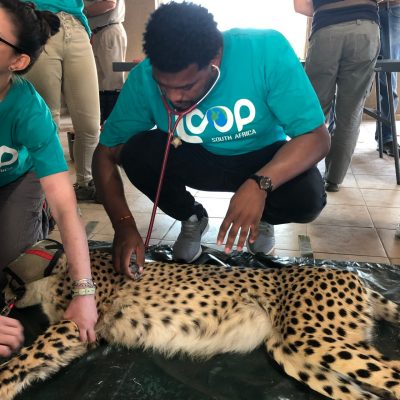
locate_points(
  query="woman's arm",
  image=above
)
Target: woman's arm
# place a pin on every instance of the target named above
(61, 198)
(304, 7)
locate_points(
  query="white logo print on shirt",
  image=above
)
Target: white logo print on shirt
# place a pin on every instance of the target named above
(7, 150)
(221, 117)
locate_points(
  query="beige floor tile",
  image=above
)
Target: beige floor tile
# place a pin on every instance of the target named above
(286, 253)
(142, 204)
(214, 195)
(132, 198)
(345, 240)
(395, 261)
(377, 182)
(344, 215)
(346, 195)
(390, 242)
(287, 236)
(94, 214)
(349, 181)
(385, 217)
(369, 163)
(90, 205)
(101, 238)
(351, 257)
(381, 198)
(216, 207)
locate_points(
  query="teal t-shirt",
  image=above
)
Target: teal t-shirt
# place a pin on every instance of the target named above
(73, 7)
(263, 95)
(28, 135)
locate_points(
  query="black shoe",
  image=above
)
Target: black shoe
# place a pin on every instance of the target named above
(388, 149)
(86, 193)
(331, 187)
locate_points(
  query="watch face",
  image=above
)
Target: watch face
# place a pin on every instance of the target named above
(265, 183)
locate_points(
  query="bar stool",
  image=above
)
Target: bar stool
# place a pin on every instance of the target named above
(386, 67)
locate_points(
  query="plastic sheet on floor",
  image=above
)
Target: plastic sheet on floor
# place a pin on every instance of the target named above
(112, 373)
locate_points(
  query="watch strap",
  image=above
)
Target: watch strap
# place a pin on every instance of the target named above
(264, 182)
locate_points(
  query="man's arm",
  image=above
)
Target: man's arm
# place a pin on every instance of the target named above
(296, 156)
(247, 204)
(109, 186)
(100, 7)
(304, 7)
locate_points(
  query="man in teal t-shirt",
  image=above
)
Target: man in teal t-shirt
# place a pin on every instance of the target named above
(245, 120)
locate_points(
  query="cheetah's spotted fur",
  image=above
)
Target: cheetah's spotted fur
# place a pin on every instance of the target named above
(316, 322)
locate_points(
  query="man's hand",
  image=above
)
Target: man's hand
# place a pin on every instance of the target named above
(11, 336)
(82, 310)
(127, 241)
(243, 215)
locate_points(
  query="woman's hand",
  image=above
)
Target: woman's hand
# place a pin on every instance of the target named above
(82, 310)
(11, 336)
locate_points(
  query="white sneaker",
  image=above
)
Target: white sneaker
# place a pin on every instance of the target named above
(265, 241)
(188, 244)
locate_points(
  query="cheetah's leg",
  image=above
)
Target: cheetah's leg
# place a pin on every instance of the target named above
(335, 383)
(52, 350)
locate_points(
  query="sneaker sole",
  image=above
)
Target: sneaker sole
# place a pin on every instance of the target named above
(252, 253)
(267, 254)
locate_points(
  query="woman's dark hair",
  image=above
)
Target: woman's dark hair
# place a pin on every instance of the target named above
(32, 27)
(180, 34)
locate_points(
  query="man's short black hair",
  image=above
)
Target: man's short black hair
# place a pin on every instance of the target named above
(180, 34)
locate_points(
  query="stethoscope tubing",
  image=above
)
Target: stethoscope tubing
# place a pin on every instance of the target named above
(171, 133)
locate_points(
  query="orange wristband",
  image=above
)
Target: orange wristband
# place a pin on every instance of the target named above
(125, 217)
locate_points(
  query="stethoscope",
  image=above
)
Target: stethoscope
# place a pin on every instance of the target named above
(175, 141)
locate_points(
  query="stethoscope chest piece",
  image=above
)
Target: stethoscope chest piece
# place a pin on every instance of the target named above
(176, 142)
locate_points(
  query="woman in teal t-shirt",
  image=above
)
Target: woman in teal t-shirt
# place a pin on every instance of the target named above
(32, 162)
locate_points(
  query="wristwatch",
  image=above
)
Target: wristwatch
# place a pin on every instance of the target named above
(264, 182)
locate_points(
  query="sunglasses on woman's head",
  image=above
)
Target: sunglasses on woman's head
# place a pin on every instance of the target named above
(11, 45)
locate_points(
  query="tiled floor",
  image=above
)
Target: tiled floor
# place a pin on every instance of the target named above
(358, 223)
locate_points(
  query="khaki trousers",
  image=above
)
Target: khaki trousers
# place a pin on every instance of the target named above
(67, 66)
(341, 60)
(109, 45)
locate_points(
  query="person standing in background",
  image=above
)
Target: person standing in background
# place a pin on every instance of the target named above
(343, 48)
(389, 17)
(109, 43)
(67, 67)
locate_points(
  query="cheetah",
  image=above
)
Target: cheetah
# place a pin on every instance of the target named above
(315, 322)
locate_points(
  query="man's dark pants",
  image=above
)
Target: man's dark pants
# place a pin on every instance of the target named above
(299, 200)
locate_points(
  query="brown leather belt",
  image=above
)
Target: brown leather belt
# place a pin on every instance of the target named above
(345, 3)
(99, 28)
